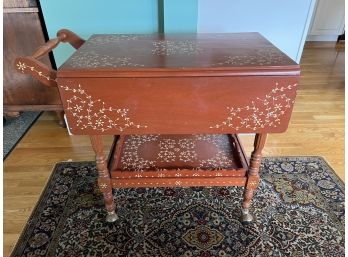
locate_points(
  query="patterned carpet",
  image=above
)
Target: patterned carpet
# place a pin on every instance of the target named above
(298, 210)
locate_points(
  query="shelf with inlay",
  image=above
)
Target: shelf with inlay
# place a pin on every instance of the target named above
(177, 160)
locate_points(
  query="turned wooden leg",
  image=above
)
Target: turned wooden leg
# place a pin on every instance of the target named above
(61, 120)
(104, 181)
(253, 176)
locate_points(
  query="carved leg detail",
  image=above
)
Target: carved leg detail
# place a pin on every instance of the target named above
(104, 178)
(247, 196)
(253, 176)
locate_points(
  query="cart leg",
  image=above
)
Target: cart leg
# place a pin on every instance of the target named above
(253, 176)
(12, 114)
(104, 181)
(60, 115)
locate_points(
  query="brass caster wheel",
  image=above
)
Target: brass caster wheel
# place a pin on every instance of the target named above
(111, 217)
(246, 216)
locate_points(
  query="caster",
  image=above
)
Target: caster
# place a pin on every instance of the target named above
(111, 217)
(246, 218)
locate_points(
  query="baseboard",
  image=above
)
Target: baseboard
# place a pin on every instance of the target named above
(322, 38)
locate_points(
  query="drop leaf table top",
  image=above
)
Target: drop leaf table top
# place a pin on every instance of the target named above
(178, 84)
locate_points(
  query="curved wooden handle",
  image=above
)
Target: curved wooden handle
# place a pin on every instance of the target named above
(32, 65)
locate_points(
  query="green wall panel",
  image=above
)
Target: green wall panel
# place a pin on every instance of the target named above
(180, 16)
(86, 17)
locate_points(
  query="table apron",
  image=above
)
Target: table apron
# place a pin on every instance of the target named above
(179, 105)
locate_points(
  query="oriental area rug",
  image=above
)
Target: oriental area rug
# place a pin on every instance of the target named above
(298, 211)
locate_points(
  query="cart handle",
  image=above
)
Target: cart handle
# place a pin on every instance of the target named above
(32, 65)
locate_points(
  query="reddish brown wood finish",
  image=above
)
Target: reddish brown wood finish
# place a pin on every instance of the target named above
(253, 176)
(177, 55)
(175, 85)
(206, 83)
(42, 72)
(262, 104)
(31, 65)
(104, 181)
(178, 160)
(173, 182)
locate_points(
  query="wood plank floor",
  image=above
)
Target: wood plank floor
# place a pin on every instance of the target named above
(317, 128)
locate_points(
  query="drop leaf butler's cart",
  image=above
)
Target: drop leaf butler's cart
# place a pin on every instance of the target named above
(174, 104)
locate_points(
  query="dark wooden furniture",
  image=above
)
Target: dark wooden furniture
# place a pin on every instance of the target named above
(341, 37)
(176, 104)
(23, 33)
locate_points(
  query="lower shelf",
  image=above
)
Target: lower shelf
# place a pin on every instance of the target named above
(177, 160)
(178, 182)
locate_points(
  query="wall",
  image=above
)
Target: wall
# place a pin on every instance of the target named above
(86, 17)
(180, 16)
(284, 23)
(327, 21)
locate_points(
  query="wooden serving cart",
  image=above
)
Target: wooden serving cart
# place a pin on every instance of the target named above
(175, 104)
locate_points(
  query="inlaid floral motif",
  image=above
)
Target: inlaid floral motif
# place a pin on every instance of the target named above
(23, 66)
(220, 159)
(111, 39)
(171, 150)
(260, 58)
(130, 158)
(262, 112)
(92, 59)
(95, 113)
(167, 47)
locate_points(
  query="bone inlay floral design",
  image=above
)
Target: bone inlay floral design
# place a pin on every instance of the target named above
(260, 58)
(94, 60)
(111, 39)
(23, 66)
(261, 112)
(171, 150)
(95, 114)
(130, 159)
(167, 47)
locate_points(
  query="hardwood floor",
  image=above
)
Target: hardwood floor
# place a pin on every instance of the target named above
(317, 128)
